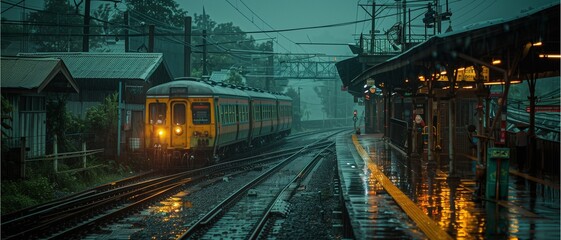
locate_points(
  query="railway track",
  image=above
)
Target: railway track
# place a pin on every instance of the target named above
(247, 211)
(81, 212)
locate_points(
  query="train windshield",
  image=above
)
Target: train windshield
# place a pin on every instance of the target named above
(157, 113)
(201, 112)
(179, 113)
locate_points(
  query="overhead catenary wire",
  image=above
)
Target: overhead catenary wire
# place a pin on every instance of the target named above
(247, 32)
(266, 22)
(239, 11)
(55, 13)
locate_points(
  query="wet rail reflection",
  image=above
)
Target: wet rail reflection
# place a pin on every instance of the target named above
(532, 210)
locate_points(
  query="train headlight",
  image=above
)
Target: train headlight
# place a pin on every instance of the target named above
(178, 130)
(161, 132)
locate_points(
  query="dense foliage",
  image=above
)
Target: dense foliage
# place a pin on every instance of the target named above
(102, 121)
(59, 27)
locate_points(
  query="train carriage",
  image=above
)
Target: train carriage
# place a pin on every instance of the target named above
(180, 120)
(262, 123)
(284, 110)
(191, 122)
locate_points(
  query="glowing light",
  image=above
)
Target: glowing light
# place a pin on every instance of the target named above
(550, 56)
(537, 44)
(502, 82)
(496, 61)
(178, 130)
(161, 132)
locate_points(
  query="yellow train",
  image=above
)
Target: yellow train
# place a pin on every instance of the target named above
(192, 122)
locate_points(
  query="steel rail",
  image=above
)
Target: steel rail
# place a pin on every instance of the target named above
(258, 228)
(222, 207)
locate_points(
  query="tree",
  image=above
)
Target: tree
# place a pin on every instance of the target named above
(7, 29)
(61, 122)
(162, 12)
(101, 120)
(7, 108)
(220, 46)
(111, 19)
(296, 114)
(235, 78)
(59, 17)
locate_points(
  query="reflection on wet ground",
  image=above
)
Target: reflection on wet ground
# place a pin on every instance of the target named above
(532, 210)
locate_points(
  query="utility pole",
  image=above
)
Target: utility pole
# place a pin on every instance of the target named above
(270, 71)
(403, 32)
(85, 38)
(205, 71)
(438, 17)
(187, 48)
(151, 29)
(373, 29)
(126, 18)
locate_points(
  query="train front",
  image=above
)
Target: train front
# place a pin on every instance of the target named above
(179, 127)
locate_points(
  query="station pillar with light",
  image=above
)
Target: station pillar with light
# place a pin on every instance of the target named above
(369, 106)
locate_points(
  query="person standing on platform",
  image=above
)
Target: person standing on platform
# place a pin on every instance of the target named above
(521, 147)
(418, 125)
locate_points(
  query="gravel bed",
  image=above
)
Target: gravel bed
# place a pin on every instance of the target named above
(169, 218)
(311, 209)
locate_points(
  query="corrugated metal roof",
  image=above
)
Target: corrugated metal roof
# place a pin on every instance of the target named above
(31, 73)
(91, 65)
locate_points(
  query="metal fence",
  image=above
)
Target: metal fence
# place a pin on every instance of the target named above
(545, 160)
(399, 133)
(31, 153)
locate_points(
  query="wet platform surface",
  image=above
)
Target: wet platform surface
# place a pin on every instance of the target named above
(531, 211)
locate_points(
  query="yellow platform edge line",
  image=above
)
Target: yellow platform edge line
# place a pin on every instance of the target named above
(431, 229)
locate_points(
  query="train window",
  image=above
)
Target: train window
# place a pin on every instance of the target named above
(258, 113)
(201, 112)
(179, 113)
(245, 114)
(157, 113)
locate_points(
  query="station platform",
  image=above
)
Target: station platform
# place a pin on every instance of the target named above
(391, 196)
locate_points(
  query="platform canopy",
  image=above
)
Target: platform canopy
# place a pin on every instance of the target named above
(527, 47)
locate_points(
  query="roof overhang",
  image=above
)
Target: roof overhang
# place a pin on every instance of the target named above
(36, 75)
(512, 41)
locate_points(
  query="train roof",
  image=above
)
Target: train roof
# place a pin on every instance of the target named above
(186, 87)
(283, 97)
(191, 87)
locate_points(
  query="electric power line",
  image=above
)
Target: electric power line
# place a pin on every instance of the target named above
(239, 11)
(290, 40)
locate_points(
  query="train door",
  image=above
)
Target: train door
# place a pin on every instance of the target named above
(178, 124)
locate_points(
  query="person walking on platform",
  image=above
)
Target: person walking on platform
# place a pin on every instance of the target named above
(521, 147)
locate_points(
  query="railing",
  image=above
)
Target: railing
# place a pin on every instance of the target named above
(399, 133)
(56, 156)
(546, 156)
(25, 151)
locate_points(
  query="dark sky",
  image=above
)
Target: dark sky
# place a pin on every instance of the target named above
(255, 15)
